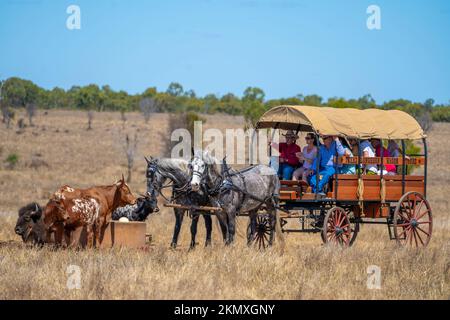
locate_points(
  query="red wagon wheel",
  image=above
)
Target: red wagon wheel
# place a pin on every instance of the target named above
(413, 222)
(263, 232)
(337, 228)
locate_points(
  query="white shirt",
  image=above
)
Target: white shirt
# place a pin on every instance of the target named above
(366, 146)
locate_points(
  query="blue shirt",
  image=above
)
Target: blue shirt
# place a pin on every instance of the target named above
(326, 155)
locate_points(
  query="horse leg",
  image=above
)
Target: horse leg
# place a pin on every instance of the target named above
(194, 222)
(273, 221)
(231, 228)
(179, 213)
(250, 237)
(208, 226)
(223, 225)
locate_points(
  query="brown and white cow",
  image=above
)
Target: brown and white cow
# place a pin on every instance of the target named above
(72, 209)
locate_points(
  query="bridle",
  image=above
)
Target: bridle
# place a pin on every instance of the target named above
(177, 191)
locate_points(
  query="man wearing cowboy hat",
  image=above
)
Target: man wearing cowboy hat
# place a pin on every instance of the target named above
(288, 155)
(331, 147)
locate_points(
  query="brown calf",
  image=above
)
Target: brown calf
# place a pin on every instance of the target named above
(72, 209)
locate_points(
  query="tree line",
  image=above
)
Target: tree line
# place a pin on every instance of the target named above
(19, 93)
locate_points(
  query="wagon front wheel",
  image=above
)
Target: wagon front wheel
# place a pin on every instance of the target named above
(413, 221)
(262, 236)
(337, 228)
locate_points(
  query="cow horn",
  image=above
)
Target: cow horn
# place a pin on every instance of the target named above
(146, 159)
(37, 208)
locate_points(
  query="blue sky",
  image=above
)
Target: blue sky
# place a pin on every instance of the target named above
(285, 47)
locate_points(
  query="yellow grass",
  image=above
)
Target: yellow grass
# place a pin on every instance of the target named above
(305, 270)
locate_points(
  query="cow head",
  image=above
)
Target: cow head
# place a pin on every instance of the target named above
(53, 215)
(30, 225)
(123, 194)
(145, 206)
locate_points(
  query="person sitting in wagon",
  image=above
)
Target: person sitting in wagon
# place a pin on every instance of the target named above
(307, 156)
(388, 169)
(288, 159)
(368, 151)
(346, 168)
(327, 152)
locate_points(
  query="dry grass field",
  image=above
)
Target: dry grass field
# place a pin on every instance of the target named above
(304, 270)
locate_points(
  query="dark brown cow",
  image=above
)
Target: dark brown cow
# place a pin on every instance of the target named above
(30, 225)
(72, 209)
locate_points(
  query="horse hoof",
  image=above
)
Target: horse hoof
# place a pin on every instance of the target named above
(173, 245)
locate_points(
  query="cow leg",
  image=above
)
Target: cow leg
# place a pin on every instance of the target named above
(179, 214)
(194, 223)
(68, 237)
(90, 236)
(59, 234)
(97, 233)
(208, 226)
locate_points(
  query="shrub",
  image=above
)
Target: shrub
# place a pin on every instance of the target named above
(12, 160)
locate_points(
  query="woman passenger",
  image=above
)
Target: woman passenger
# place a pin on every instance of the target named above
(389, 169)
(307, 156)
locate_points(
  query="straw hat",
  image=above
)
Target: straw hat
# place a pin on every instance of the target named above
(290, 134)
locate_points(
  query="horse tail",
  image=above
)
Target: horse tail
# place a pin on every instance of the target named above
(275, 202)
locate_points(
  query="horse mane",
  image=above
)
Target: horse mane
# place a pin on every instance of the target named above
(211, 161)
(177, 169)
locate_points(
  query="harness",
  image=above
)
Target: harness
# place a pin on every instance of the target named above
(227, 184)
(176, 191)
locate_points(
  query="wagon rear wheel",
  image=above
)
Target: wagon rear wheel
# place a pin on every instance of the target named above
(263, 234)
(337, 228)
(413, 222)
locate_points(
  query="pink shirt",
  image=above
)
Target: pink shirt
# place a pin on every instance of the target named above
(389, 167)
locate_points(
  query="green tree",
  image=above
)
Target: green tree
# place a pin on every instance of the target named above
(175, 89)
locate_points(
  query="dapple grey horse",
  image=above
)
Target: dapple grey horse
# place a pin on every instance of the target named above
(244, 191)
(159, 170)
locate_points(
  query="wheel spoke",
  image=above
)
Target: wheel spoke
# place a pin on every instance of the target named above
(334, 218)
(405, 211)
(415, 238)
(343, 227)
(400, 213)
(403, 224)
(420, 238)
(418, 210)
(341, 217)
(404, 230)
(419, 228)
(424, 213)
